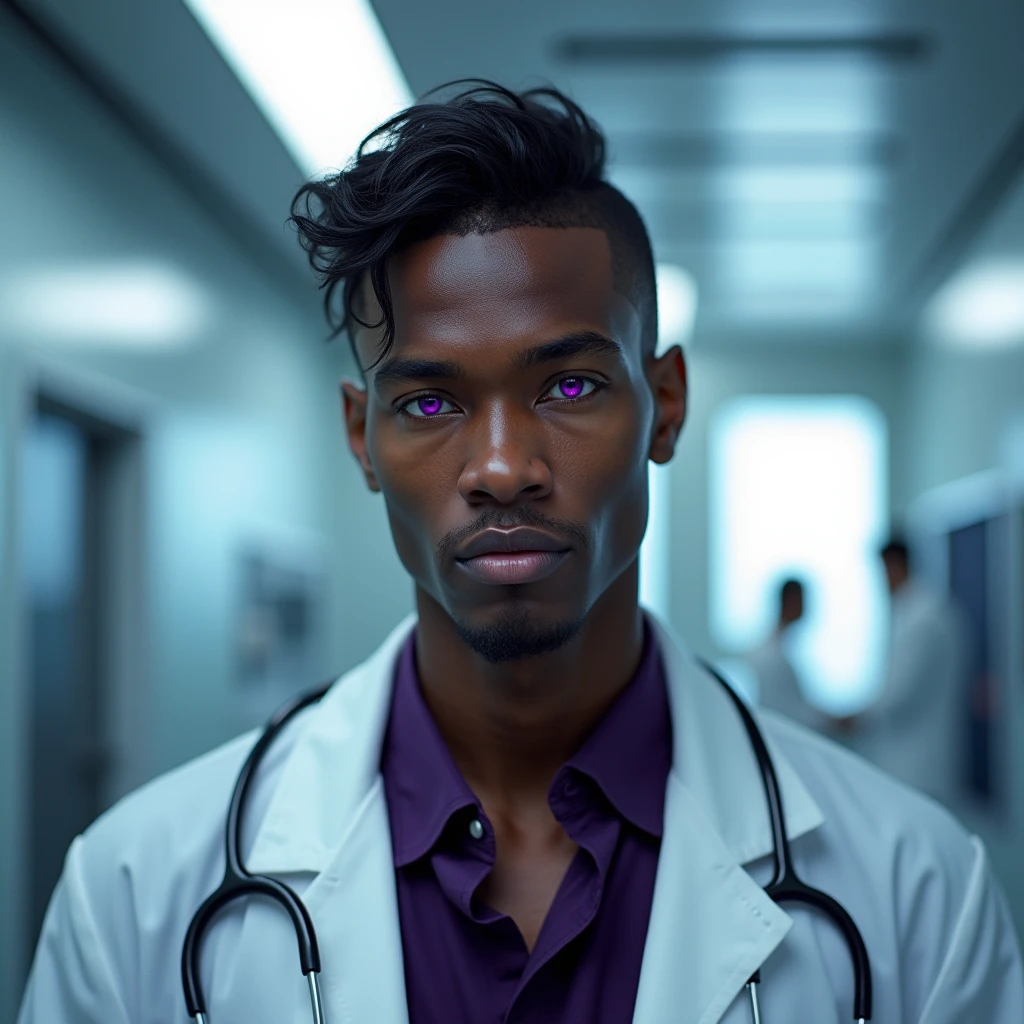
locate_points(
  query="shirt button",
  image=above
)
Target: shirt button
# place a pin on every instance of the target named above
(476, 829)
(570, 788)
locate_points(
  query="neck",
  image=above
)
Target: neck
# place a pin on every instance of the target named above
(510, 726)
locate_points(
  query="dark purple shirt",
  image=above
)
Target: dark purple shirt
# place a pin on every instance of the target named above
(467, 964)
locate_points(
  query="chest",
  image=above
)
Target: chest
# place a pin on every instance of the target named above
(472, 959)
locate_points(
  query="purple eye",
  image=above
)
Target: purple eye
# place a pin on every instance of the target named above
(429, 405)
(571, 387)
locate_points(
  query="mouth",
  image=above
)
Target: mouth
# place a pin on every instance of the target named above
(510, 557)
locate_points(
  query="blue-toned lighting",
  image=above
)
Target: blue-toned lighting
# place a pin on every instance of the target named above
(982, 307)
(322, 71)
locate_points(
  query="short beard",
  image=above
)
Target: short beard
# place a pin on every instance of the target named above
(516, 636)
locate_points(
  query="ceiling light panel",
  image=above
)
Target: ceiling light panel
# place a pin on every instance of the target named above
(677, 305)
(322, 71)
(981, 307)
(119, 305)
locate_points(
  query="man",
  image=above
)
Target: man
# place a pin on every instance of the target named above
(531, 804)
(915, 728)
(778, 687)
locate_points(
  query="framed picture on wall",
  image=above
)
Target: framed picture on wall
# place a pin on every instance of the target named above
(280, 630)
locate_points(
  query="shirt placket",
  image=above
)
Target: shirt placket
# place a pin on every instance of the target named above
(595, 829)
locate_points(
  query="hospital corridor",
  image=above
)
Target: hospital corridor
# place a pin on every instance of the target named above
(199, 522)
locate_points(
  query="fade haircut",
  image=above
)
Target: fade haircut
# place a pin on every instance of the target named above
(485, 160)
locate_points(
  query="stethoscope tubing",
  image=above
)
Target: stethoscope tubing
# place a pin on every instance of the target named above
(238, 882)
(785, 886)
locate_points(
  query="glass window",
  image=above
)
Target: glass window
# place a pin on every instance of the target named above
(798, 488)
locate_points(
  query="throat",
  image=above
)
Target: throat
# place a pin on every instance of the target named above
(531, 862)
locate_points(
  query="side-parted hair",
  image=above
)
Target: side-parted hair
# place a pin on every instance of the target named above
(484, 160)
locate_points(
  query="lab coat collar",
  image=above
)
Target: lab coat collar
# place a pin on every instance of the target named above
(332, 769)
(711, 924)
(713, 759)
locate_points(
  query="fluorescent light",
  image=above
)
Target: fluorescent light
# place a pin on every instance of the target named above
(677, 305)
(836, 270)
(983, 307)
(120, 305)
(322, 71)
(797, 185)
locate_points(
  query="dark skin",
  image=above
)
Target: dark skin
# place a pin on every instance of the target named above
(470, 420)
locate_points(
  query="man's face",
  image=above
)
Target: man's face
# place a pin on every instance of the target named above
(509, 429)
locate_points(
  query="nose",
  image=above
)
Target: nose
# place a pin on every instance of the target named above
(505, 463)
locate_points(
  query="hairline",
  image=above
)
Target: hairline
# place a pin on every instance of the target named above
(452, 229)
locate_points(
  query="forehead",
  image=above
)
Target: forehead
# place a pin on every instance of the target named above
(518, 286)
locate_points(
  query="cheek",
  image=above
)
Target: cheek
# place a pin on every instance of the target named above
(604, 476)
(417, 487)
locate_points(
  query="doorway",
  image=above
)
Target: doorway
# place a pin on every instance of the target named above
(80, 562)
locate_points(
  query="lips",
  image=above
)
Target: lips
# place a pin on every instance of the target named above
(505, 557)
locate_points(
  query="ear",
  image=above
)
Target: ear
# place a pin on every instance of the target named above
(354, 399)
(667, 377)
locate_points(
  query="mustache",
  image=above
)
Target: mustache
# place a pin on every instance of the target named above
(507, 519)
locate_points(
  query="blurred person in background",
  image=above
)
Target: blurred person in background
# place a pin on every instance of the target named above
(778, 686)
(531, 803)
(915, 729)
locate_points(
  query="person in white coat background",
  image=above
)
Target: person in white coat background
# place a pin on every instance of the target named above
(778, 686)
(916, 728)
(532, 803)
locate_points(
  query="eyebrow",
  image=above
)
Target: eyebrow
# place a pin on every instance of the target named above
(401, 371)
(578, 343)
(396, 371)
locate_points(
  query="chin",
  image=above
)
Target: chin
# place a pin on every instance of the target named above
(515, 632)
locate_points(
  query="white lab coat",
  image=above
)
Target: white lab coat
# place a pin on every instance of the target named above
(942, 945)
(778, 687)
(915, 729)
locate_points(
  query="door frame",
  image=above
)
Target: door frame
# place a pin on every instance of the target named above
(104, 406)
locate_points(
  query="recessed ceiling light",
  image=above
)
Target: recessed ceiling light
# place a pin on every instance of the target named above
(123, 305)
(982, 307)
(322, 71)
(677, 305)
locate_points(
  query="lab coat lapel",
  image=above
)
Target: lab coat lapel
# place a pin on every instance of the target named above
(354, 903)
(712, 926)
(328, 816)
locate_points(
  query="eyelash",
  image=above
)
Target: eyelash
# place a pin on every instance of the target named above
(596, 386)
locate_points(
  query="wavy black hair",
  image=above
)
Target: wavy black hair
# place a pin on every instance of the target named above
(484, 160)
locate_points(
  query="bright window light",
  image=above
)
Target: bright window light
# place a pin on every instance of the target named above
(123, 305)
(983, 307)
(798, 487)
(322, 71)
(677, 305)
(655, 578)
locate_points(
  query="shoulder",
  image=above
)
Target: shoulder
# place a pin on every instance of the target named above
(874, 815)
(156, 850)
(173, 826)
(127, 885)
(917, 883)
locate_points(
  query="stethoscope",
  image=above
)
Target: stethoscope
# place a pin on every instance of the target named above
(785, 886)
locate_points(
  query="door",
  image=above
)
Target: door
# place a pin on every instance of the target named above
(70, 587)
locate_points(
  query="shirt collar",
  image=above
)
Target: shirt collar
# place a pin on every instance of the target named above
(628, 755)
(424, 787)
(329, 772)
